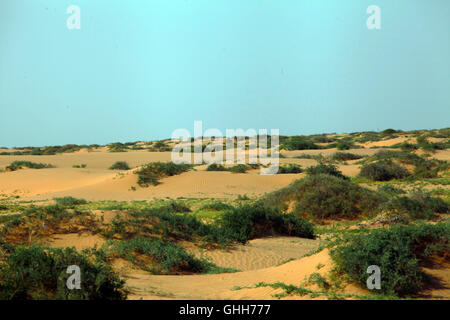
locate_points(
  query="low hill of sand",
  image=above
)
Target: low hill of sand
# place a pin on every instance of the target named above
(223, 286)
(96, 182)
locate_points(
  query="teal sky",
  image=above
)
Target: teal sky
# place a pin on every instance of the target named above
(137, 70)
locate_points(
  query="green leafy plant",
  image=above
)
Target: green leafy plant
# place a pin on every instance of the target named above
(383, 171)
(251, 221)
(36, 272)
(216, 167)
(326, 169)
(16, 165)
(239, 168)
(290, 168)
(69, 201)
(398, 251)
(152, 172)
(120, 165)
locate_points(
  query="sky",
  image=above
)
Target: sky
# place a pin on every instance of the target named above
(138, 70)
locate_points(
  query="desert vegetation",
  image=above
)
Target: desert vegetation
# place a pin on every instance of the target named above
(364, 198)
(151, 173)
(399, 251)
(16, 165)
(120, 165)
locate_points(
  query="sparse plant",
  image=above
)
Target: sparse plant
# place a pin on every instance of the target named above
(69, 201)
(216, 167)
(239, 168)
(16, 165)
(152, 172)
(290, 168)
(120, 165)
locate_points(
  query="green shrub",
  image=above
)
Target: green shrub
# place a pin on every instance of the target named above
(152, 172)
(390, 190)
(176, 206)
(322, 138)
(120, 165)
(290, 168)
(326, 169)
(407, 206)
(424, 144)
(430, 168)
(165, 222)
(398, 251)
(423, 168)
(296, 143)
(435, 204)
(324, 196)
(383, 171)
(40, 273)
(390, 131)
(216, 167)
(405, 146)
(117, 147)
(79, 166)
(69, 201)
(16, 165)
(239, 168)
(243, 197)
(343, 145)
(252, 221)
(161, 146)
(345, 156)
(165, 257)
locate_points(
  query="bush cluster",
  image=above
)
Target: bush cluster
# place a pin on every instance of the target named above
(40, 273)
(163, 257)
(252, 221)
(383, 170)
(16, 165)
(216, 167)
(324, 196)
(398, 251)
(326, 169)
(298, 143)
(152, 172)
(418, 206)
(120, 165)
(69, 201)
(345, 156)
(290, 168)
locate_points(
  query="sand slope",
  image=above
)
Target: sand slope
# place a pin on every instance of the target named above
(220, 286)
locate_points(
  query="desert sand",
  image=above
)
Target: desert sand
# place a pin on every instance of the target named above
(269, 260)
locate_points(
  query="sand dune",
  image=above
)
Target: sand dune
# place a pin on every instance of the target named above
(260, 253)
(220, 286)
(29, 182)
(193, 184)
(96, 160)
(96, 182)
